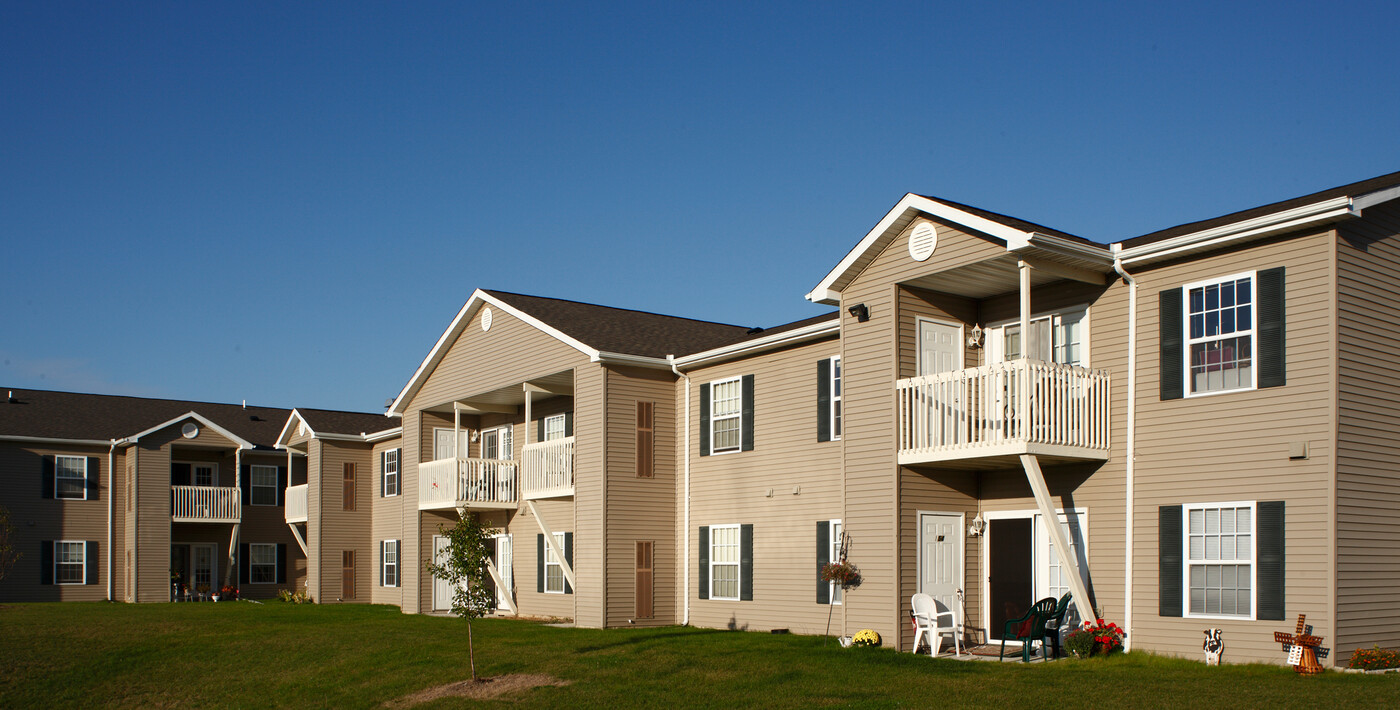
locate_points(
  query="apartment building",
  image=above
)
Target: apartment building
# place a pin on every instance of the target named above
(1188, 429)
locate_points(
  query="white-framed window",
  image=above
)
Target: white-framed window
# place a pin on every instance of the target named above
(835, 556)
(726, 416)
(264, 485)
(553, 571)
(390, 563)
(445, 448)
(70, 477)
(836, 400)
(1220, 570)
(69, 562)
(496, 444)
(389, 461)
(262, 563)
(1054, 337)
(1219, 326)
(204, 474)
(554, 427)
(724, 562)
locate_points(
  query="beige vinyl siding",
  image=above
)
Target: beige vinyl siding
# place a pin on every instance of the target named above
(640, 508)
(938, 492)
(266, 524)
(524, 530)
(804, 476)
(35, 519)
(870, 367)
(318, 567)
(590, 496)
(918, 304)
(393, 518)
(341, 529)
(1368, 432)
(1234, 447)
(153, 516)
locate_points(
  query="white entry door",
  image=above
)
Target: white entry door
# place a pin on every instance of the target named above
(940, 557)
(504, 553)
(940, 347)
(442, 590)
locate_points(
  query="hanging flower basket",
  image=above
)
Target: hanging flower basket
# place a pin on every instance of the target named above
(844, 574)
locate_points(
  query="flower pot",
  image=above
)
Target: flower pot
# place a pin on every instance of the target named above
(216, 597)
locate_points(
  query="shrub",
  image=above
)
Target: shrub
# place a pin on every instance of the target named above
(299, 598)
(1374, 658)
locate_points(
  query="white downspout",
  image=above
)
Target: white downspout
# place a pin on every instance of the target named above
(111, 510)
(685, 552)
(1131, 448)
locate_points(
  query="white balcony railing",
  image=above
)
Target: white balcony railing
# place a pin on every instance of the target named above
(453, 483)
(296, 504)
(1022, 406)
(204, 504)
(549, 469)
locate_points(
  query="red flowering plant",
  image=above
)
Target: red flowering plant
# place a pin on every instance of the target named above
(1096, 638)
(229, 593)
(843, 574)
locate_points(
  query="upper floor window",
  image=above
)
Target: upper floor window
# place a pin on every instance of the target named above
(496, 444)
(1220, 334)
(554, 427)
(726, 414)
(836, 397)
(264, 485)
(1056, 337)
(389, 473)
(70, 477)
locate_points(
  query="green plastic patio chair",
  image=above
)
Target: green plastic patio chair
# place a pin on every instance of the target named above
(1027, 629)
(1054, 622)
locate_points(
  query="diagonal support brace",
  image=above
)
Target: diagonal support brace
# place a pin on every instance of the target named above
(1057, 536)
(553, 544)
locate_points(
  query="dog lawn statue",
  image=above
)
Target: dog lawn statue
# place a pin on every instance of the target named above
(1213, 647)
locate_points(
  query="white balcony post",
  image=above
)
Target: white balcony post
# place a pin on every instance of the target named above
(1025, 273)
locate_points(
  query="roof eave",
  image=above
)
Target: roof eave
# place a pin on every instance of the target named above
(1256, 228)
(814, 331)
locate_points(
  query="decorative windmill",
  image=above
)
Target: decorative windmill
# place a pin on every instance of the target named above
(1303, 648)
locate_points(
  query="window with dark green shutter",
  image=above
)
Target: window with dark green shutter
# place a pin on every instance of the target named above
(824, 400)
(823, 557)
(1223, 334)
(1222, 560)
(1169, 560)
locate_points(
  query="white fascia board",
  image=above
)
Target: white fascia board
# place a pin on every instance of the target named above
(1068, 247)
(284, 436)
(54, 440)
(1223, 235)
(242, 443)
(634, 360)
(1375, 198)
(823, 293)
(382, 435)
(459, 323)
(752, 347)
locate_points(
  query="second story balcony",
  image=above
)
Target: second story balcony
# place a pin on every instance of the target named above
(467, 483)
(205, 504)
(984, 417)
(549, 469)
(296, 504)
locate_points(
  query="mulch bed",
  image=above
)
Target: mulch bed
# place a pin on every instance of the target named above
(481, 689)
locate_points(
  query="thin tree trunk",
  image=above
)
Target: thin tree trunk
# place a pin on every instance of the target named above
(471, 652)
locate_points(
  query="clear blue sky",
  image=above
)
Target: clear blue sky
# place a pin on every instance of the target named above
(287, 202)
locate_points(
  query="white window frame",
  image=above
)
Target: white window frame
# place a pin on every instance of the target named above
(82, 481)
(833, 534)
(551, 561)
(213, 473)
(390, 458)
(1253, 332)
(254, 486)
(996, 334)
(737, 416)
(737, 564)
(503, 433)
(253, 563)
(835, 389)
(1187, 563)
(390, 547)
(554, 423)
(462, 447)
(81, 563)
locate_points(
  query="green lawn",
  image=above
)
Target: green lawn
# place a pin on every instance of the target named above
(249, 655)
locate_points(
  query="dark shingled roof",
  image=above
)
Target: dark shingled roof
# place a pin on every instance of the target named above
(1012, 222)
(1353, 190)
(325, 421)
(70, 415)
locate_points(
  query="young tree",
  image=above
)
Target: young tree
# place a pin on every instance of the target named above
(8, 556)
(463, 565)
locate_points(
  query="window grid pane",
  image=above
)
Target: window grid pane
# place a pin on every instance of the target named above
(553, 571)
(724, 562)
(264, 482)
(70, 477)
(262, 560)
(1219, 551)
(726, 400)
(1220, 325)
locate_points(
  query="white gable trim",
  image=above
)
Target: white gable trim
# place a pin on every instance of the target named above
(459, 324)
(283, 437)
(242, 443)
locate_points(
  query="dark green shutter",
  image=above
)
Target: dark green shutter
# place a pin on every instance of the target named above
(1271, 567)
(704, 575)
(281, 484)
(568, 423)
(383, 546)
(746, 562)
(94, 477)
(398, 563)
(281, 563)
(383, 473)
(243, 562)
(1272, 370)
(824, 400)
(539, 563)
(1169, 562)
(245, 481)
(568, 559)
(1170, 364)
(823, 557)
(46, 562)
(704, 424)
(90, 556)
(46, 485)
(747, 413)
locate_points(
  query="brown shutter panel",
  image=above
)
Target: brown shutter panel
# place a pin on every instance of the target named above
(348, 493)
(646, 439)
(645, 608)
(347, 574)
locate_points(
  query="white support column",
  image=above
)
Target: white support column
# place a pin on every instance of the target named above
(297, 534)
(1025, 273)
(456, 432)
(232, 554)
(553, 544)
(1057, 536)
(500, 584)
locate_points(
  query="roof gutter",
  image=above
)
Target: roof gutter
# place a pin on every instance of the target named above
(758, 345)
(1258, 227)
(607, 358)
(55, 440)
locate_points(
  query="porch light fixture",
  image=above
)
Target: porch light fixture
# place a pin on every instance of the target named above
(974, 338)
(859, 312)
(977, 526)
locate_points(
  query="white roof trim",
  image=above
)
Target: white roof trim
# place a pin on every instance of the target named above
(282, 437)
(634, 360)
(382, 435)
(757, 345)
(53, 440)
(454, 330)
(1375, 198)
(242, 443)
(1256, 227)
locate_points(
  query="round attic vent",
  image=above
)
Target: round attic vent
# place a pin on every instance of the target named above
(485, 319)
(923, 239)
(190, 430)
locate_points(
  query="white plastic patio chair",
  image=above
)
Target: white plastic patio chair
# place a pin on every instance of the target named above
(932, 619)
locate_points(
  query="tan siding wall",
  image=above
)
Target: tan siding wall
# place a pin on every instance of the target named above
(1368, 432)
(35, 519)
(640, 508)
(937, 492)
(340, 529)
(393, 518)
(153, 519)
(732, 489)
(590, 496)
(265, 524)
(317, 565)
(1234, 447)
